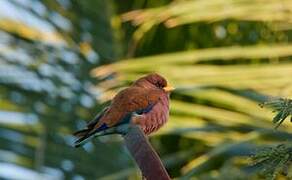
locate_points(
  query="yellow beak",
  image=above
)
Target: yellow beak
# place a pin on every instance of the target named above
(168, 88)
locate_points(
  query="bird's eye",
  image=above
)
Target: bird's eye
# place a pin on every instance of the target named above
(159, 84)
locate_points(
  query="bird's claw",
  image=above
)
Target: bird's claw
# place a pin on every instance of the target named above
(136, 115)
(136, 118)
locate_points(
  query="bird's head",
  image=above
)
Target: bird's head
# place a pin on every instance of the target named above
(154, 80)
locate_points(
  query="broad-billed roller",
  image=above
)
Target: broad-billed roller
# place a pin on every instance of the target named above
(145, 103)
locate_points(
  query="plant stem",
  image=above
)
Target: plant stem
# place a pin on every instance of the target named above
(144, 155)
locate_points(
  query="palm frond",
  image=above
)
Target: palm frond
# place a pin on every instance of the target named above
(274, 160)
(283, 108)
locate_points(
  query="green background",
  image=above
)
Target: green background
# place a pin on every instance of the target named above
(62, 60)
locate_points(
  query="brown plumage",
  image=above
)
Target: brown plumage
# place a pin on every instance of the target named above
(148, 96)
(156, 118)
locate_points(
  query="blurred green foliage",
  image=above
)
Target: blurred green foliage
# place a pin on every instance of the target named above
(283, 107)
(275, 160)
(223, 56)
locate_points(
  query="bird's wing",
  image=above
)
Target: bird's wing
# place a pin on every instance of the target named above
(96, 118)
(90, 124)
(133, 99)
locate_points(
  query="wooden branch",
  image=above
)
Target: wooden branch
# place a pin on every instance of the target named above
(144, 155)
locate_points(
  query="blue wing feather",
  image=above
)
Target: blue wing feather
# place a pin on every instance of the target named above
(126, 119)
(145, 110)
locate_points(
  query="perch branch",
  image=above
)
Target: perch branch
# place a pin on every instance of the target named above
(144, 155)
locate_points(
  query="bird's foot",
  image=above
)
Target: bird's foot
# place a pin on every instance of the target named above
(136, 118)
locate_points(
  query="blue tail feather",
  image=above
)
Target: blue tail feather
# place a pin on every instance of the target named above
(88, 137)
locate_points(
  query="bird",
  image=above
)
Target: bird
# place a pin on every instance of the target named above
(145, 103)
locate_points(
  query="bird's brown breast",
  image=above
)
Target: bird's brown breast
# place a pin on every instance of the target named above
(157, 117)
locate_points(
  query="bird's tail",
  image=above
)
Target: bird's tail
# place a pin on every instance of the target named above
(81, 133)
(87, 134)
